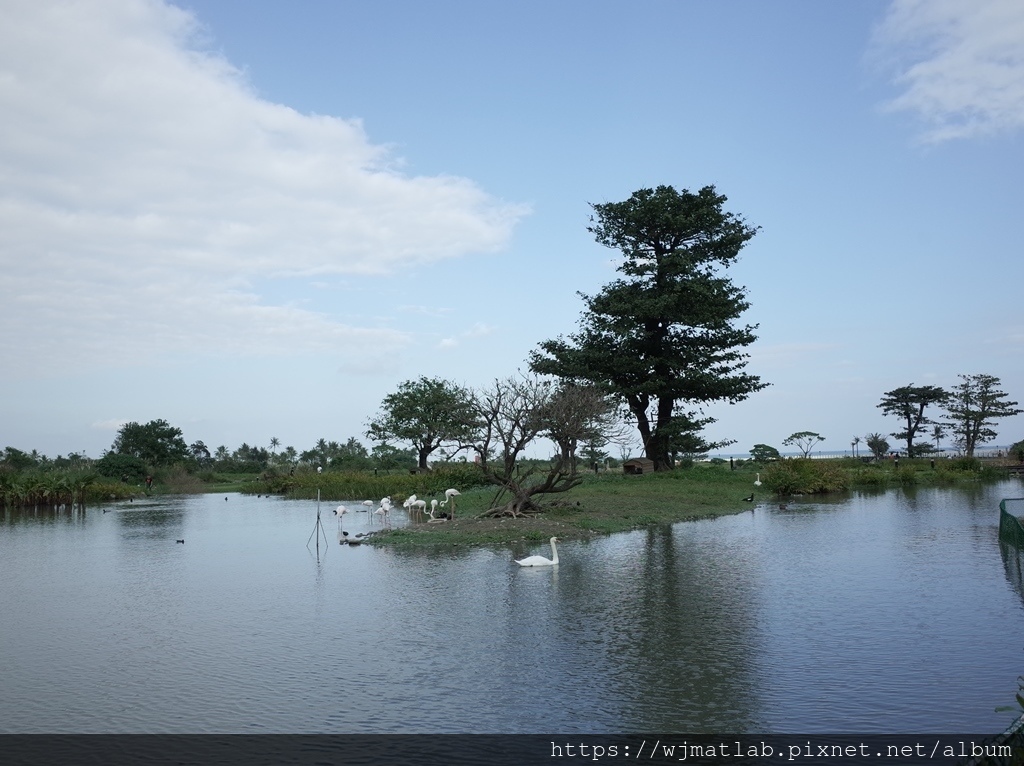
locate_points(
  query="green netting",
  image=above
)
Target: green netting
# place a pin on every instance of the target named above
(1010, 528)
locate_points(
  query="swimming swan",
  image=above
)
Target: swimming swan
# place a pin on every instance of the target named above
(540, 561)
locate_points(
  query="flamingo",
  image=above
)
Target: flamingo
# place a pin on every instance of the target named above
(368, 504)
(433, 510)
(339, 512)
(385, 510)
(540, 561)
(451, 494)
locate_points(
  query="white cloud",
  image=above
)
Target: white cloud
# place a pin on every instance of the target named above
(478, 330)
(144, 187)
(960, 64)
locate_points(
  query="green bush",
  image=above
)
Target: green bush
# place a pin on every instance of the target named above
(805, 476)
(114, 465)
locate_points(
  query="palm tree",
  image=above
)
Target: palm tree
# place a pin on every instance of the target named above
(937, 434)
(854, 443)
(274, 444)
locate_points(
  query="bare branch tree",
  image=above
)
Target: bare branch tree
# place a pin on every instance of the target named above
(511, 414)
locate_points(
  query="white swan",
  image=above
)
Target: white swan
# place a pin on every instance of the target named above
(757, 481)
(540, 561)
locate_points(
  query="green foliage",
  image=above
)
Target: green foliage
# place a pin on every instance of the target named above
(114, 465)
(664, 338)
(973, 407)
(963, 464)
(803, 441)
(878, 445)
(905, 475)
(1017, 451)
(386, 457)
(804, 476)
(43, 488)
(762, 453)
(18, 460)
(426, 413)
(908, 403)
(333, 456)
(155, 443)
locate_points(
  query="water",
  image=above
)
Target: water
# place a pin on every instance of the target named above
(893, 612)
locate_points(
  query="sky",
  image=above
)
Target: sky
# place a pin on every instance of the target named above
(255, 220)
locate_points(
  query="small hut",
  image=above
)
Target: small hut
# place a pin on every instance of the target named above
(638, 465)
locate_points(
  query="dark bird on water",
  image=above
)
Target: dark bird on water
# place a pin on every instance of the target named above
(181, 541)
(749, 499)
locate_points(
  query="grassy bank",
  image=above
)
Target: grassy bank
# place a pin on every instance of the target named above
(600, 505)
(614, 502)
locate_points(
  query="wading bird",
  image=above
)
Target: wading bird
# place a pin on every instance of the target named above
(451, 494)
(540, 561)
(433, 513)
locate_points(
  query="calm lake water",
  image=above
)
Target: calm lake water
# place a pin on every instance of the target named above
(893, 612)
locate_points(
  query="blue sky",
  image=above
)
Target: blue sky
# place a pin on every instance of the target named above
(256, 219)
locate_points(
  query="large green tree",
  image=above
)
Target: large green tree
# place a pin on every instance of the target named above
(908, 403)
(664, 339)
(156, 442)
(426, 413)
(973, 406)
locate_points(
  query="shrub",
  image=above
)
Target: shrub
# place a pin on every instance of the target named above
(805, 476)
(114, 465)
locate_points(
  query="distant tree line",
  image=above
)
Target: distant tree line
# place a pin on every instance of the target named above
(971, 409)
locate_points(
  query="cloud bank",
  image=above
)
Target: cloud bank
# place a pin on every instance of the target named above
(959, 64)
(145, 188)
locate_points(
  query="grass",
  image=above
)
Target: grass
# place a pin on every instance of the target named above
(601, 505)
(614, 502)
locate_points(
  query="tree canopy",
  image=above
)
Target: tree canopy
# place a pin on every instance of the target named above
(156, 443)
(803, 441)
(764, 453)
(426, 413)
(878, 445)
(908, 403)
(664, 338)
(973, 406)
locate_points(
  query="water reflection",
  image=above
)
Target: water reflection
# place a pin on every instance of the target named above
(876, 612)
